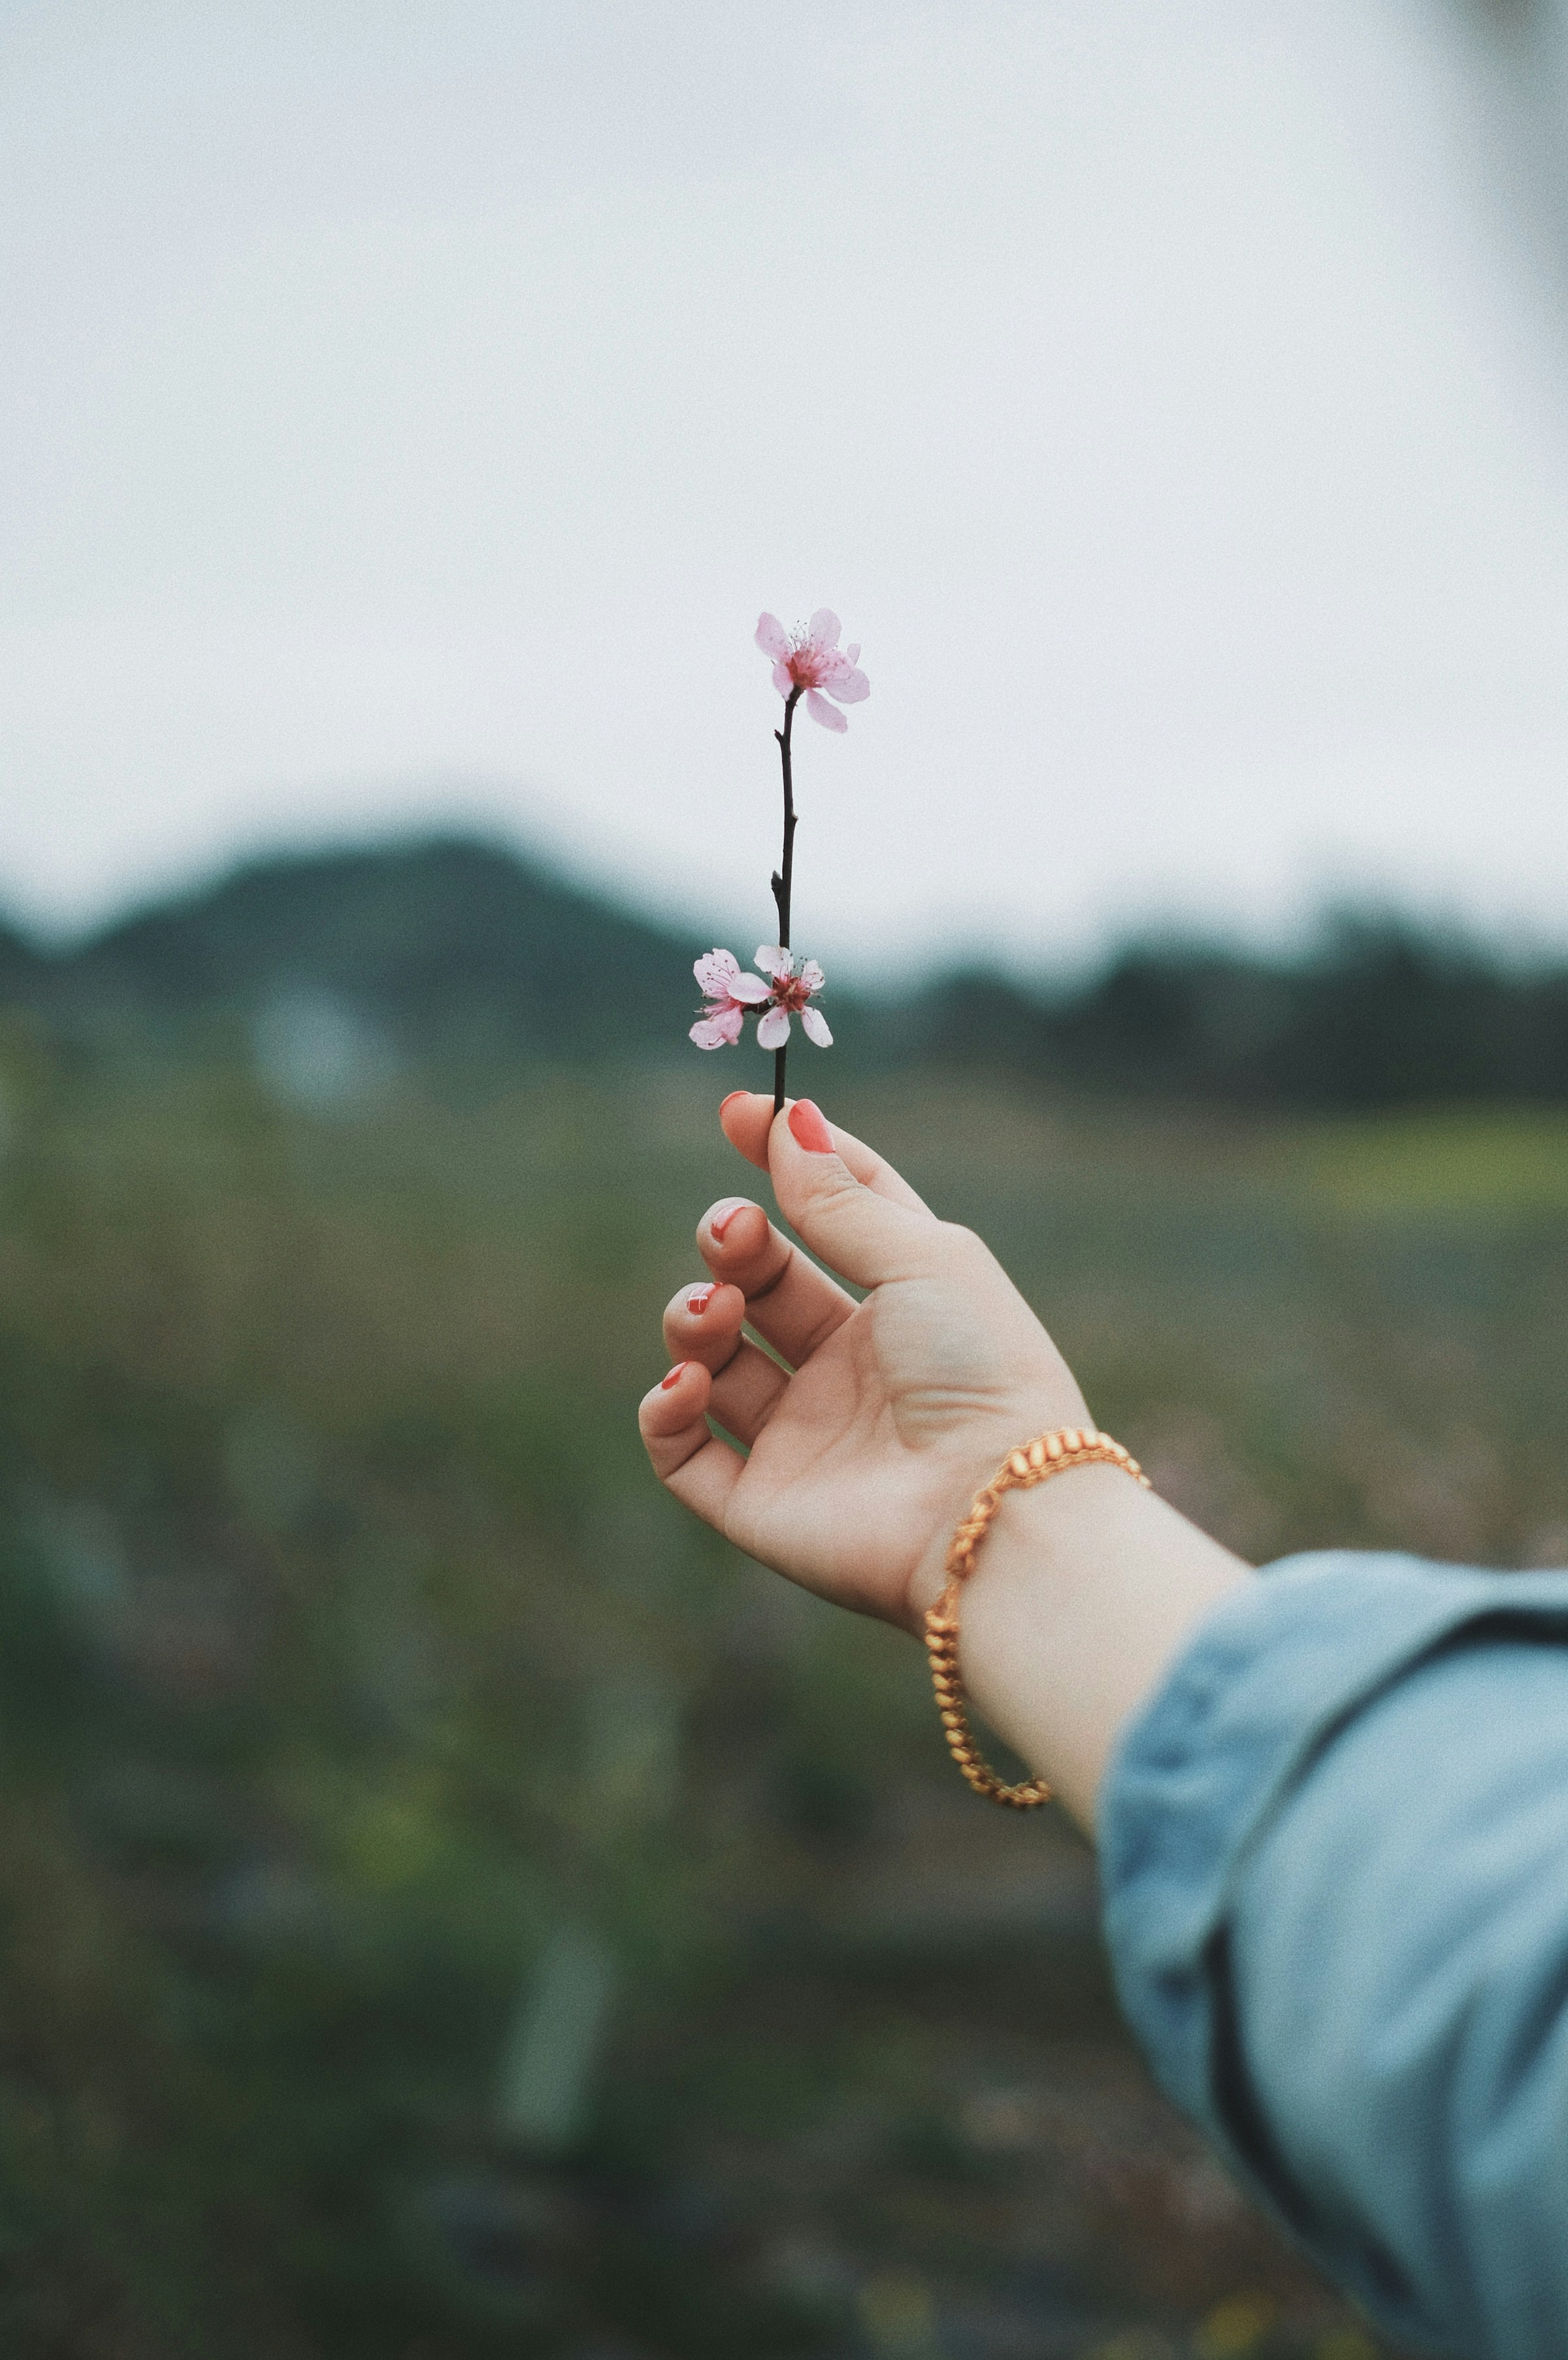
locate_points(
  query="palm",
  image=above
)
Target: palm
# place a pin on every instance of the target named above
(879, 1438)
(898, 1407)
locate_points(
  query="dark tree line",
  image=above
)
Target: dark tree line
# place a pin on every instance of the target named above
(1379, 1015)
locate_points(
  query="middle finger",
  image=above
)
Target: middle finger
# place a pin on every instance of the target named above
(793, 1305)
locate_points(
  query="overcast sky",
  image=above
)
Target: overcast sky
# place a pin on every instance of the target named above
(406, 408)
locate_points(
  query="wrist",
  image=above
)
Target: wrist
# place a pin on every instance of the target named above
(1084, 1590)
(965, 1474)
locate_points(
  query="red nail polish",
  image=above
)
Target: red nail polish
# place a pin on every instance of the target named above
(810, 1128)
(732, 1097)
(700, 1298)
(724, 1213)
(674, 1376)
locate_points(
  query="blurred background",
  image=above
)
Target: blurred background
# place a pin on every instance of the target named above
(450, 1905)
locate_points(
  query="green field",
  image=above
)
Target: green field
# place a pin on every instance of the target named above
(454, 1907)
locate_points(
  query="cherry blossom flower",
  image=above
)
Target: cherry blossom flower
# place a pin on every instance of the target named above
(812, 660)
(732, 996)
(793, 988)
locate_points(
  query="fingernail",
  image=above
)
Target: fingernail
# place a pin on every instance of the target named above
(674, 1376)
(725, 1211)
(700, 1298)
(732, 1097)
(810, 1130)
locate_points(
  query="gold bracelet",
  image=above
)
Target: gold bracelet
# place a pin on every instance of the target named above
(1035, 1462)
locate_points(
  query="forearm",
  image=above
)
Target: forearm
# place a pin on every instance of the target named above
(1085, 1591)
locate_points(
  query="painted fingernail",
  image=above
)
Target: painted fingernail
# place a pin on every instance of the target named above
(725, 1211)
(732, 1097)
(700, 1298)
(674, 1377)
(810, 1128)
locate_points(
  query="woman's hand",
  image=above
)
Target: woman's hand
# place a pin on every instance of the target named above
(866, 1449)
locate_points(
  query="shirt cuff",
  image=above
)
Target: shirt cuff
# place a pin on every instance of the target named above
(1200, 1773)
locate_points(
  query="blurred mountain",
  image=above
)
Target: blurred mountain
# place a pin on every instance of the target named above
(335, 968)
(448, 944)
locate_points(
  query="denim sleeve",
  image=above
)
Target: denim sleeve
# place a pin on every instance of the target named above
(1335, 1849)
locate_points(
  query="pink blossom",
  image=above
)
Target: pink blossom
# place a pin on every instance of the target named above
(729, 993)
(812, 660)
(732, 996)
(793, 988)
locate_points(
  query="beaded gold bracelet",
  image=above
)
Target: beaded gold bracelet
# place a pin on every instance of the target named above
(1034, 1462)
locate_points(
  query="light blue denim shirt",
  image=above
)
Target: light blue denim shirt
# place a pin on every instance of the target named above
(1335, 1849)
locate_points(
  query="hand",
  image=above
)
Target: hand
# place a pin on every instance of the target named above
(898, 1408)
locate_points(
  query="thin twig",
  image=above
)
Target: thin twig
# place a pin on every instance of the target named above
(784, 873)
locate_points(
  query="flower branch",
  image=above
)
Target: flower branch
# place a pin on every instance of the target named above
(811, 665)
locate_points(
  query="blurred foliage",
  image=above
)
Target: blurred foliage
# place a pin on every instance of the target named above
(451, 1904)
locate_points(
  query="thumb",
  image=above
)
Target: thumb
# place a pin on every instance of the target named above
(866, 1238)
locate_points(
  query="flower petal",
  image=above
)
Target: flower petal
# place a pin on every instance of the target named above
(716, 972)
(824, 628)
(852, 651)
(709, 1033)
(820, 710)
(772, 638)
(814, 1025)
(774, 959)
(783, 679)
(812, 976)
(850, 687)
(774, 1030)
(749, 989)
